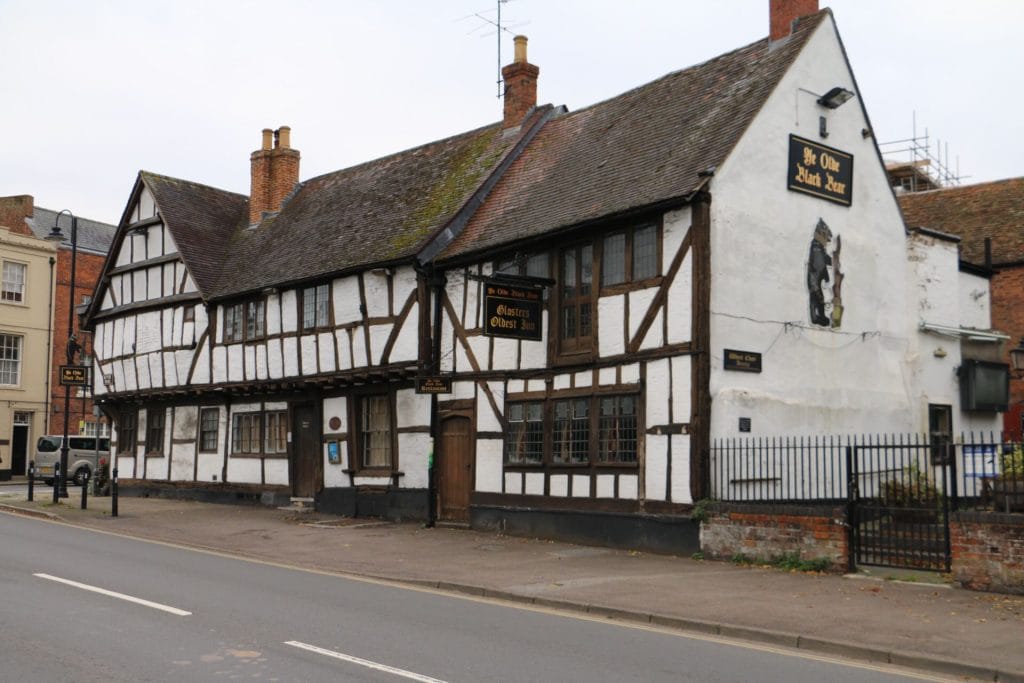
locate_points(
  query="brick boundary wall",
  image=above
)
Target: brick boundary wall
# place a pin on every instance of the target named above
(988, 551)
(769, 532)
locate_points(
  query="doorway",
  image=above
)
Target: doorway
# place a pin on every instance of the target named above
(19, 443)
(306, 456)
(455, 468)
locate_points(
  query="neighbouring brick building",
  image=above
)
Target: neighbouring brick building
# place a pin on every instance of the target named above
(94, 238)
(989, 219)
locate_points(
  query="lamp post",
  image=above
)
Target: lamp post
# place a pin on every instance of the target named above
(72, 344)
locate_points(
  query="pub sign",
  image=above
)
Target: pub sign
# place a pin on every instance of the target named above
(433, 385)
(74, 375)
(743, 361)
(512, 311)
(820, 171)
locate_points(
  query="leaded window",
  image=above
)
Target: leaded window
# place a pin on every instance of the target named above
(315, 307)
(276, 432)
(245, 433)
(208, 429)
(524, 440)
(617, 430)
(571, 436)
(375, 431)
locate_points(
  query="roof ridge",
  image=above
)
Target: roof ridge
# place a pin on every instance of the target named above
(192, 183)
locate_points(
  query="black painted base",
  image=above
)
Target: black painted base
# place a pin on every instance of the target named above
(666, 534)
(205, 495)
(5, 475)
(398, 505)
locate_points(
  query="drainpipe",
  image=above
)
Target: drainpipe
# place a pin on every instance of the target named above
(49, 350)
(437, 282)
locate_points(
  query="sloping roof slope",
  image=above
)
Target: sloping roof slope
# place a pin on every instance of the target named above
(640, 148)
(974, 212)
(201, 219)
(378, 212)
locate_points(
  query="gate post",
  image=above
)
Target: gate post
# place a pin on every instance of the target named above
(851, 511)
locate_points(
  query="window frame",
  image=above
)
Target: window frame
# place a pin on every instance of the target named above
(579, 343)
(244, 321)
(359, 436)
(22, 293)
(278, 419)
(127, 426)
(549, 426)
(254, 429)
(204, 430)
(10, 367)
(327, 304)
(155, 417)
(629, 257)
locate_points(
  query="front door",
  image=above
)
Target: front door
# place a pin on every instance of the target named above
(455, 463)
(19, 443)
(306, 456)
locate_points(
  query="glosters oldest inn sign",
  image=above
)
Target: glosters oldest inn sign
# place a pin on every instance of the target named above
(820, 171)
(512, 311)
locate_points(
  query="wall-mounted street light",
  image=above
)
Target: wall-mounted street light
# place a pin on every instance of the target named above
(835, 98)
(1017, 360)
(72, 346)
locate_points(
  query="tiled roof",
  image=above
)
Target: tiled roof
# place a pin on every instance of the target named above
(93, 236)
(638, 149)
(201, 220)
(974, 212)
(378, 212)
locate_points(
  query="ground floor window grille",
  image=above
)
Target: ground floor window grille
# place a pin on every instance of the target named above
(573, 431)
(276, 440)
(524, 443)
(375, 431)
(245, 433)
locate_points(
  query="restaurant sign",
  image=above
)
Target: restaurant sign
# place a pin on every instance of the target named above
(743, 361)
(820, 171)
(512, 311)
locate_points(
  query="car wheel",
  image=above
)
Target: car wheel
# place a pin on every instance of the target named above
(80, 474)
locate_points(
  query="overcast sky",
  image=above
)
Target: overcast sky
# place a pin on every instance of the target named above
(92, 91)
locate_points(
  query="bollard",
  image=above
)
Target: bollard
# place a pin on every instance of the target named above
(31, 478)
(56, 482)
(113, 495)
(85, 488)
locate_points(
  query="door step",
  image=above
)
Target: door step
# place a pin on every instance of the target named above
(303, 505)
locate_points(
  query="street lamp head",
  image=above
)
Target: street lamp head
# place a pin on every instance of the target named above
(55, 232)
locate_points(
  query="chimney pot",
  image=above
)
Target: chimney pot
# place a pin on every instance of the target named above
(285, 136)
(520, 49)
(267, 133)
(782, 14)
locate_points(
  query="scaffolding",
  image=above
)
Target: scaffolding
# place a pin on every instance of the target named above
(912, 166)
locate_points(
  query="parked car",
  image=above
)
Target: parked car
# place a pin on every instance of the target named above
(83, 456)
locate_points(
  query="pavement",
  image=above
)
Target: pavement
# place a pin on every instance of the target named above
(904, 618)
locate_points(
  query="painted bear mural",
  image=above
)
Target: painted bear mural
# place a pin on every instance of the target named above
(819, 265)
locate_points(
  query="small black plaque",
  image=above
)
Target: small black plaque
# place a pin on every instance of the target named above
(433, 385)
(744, 424)
(820, 171)
(742, 361)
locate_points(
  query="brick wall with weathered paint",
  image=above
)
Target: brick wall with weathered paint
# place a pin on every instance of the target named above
(988, 551)
(767, 533)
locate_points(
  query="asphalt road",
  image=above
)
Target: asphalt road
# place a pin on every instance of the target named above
(80, 605)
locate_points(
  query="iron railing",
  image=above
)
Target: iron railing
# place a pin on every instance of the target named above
(973, 471)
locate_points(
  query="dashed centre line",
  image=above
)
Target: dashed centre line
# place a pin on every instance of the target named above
(364, 662)
(113, 594)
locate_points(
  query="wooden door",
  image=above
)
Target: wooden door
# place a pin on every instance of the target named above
(306, 456)
(455, 468)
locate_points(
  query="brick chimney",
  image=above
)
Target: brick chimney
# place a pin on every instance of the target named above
(14, 211)
(782, 14)
(520, 85)
(275, 173)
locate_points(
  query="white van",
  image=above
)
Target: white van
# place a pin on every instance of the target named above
(83, 456)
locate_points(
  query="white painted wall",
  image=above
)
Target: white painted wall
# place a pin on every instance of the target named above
(815, 380)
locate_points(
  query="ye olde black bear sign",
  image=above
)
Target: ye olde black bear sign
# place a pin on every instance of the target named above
(820, 171)
(512, 311)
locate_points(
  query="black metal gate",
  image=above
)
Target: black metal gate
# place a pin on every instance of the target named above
(899, 503)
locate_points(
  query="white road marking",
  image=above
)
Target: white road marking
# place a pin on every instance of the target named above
(119, 596)
(364, 662)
